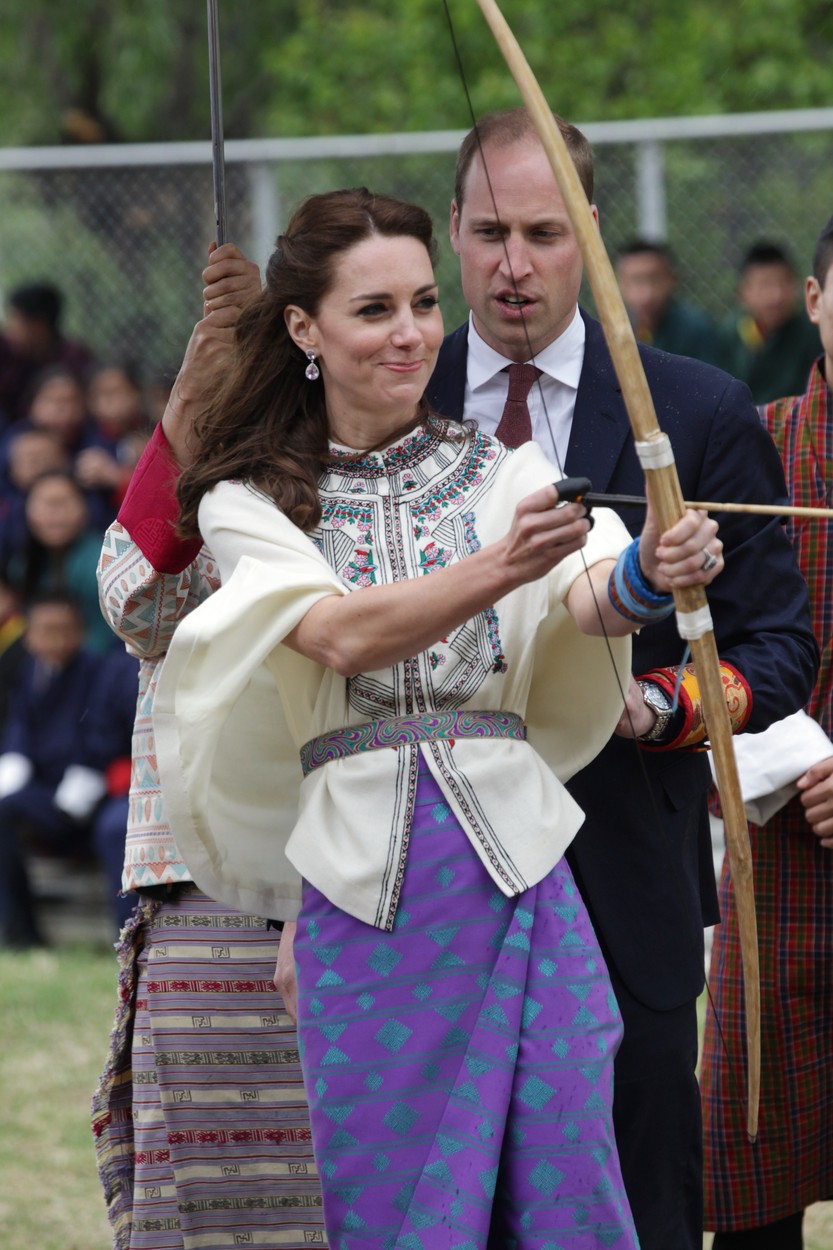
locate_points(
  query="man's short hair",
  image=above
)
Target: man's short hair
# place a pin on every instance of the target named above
(823, 254)
(647, 247)
(515, 126)
(765, 252)
(38, 301)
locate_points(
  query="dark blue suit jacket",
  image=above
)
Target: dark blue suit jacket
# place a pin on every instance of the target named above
(643, 857)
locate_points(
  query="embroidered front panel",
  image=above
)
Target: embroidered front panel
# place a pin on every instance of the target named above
(408, 512)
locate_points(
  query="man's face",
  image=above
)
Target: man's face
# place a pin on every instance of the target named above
(520, 268)
(768, 293)
(647, 284)
(819, 300)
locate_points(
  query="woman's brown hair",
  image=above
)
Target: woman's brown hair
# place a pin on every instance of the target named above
(267, 424)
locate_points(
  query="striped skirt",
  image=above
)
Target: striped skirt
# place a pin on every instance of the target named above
(202, 1131)
(460, 1068)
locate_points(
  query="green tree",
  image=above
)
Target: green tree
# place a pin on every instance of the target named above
(138, 71)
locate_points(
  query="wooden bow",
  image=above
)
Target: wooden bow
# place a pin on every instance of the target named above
(663, 485)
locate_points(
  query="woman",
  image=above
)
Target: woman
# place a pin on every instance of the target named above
(60, 550)
(390, 580)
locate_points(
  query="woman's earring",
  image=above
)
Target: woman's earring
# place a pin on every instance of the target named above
(312, 371)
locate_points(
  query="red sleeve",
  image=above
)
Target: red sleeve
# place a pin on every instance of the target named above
(150, 511)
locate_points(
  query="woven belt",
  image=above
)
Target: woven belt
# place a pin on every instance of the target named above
(400, 731)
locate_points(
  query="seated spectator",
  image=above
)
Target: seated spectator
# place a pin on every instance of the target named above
(31, 452)
(40, 741)
(31, 340)
(95, 790)
(648, 281)
(115, 403)
(60, 551)
(769, 342)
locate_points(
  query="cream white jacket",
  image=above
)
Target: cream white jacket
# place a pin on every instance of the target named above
(234, 705)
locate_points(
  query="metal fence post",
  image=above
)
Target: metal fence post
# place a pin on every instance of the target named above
(651, 206)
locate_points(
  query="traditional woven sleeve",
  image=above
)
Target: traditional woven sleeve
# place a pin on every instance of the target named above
(142, 605)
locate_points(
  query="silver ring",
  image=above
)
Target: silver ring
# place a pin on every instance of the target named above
(709, 559)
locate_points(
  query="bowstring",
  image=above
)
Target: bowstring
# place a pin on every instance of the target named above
(559, 465)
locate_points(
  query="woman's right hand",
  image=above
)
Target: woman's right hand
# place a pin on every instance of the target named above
(542, 534)
(231, 282)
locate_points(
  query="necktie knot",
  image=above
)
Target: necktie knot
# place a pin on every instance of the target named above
(515, 426)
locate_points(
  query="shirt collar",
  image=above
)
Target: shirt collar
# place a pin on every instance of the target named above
(561, 360)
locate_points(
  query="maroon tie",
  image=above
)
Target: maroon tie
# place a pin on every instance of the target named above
(515, 426)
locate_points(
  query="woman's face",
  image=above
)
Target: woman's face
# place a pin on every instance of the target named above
(376, 335)
(56, 512)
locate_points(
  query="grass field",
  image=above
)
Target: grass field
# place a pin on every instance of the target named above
(56, 1009)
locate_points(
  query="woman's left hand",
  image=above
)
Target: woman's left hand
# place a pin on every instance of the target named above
(284, 977)
(689, 554)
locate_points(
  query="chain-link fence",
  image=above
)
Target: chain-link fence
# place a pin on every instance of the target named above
(124, 231)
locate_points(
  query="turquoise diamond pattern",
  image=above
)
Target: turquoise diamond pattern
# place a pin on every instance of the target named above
(401, 1118)
(383, 959)
(546, 1178)
(393, 1035)
(444, 1101)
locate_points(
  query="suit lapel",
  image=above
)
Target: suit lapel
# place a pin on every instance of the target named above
(446, 390)
(600, 423)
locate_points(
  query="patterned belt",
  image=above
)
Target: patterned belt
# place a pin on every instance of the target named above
(400, 731)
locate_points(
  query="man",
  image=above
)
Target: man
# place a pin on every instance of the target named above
(769, 342)
(648, 281)
(791, 1165)
(643, 857)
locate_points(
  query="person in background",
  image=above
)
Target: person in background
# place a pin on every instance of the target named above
(40, 742)
(756, 1194)
(94, 791)
(115, 403)
(60, 551)
(32, 340)
(648, 280)
(643, 858)
(238, 1152)
(31, 452)
(769, 342)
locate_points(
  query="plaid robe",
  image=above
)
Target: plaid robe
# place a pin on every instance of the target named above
(791, 1166)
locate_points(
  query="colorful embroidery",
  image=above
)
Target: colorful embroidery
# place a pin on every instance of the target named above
(434, 557)
(361, 570)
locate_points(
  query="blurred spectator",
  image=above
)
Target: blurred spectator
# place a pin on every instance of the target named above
(770, 342)
(648, 281)
(96, 788)
(115, 403)
(30, 453)
(60, 551)
(57, 404)
(31, 340)
(40, 741)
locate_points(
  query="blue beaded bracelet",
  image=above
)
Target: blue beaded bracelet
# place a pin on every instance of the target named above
(631, 594)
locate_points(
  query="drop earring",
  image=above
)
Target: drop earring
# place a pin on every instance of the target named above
(312, 371)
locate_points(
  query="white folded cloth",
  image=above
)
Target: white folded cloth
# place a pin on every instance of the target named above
(79, 790)
(15, 771)
(770, 763)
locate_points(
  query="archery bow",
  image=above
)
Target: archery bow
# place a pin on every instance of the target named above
(217, 151)
(657, 459)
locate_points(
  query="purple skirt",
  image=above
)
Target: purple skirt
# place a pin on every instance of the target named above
(459, 1069)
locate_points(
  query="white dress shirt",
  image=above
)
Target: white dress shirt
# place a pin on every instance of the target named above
(552, 399)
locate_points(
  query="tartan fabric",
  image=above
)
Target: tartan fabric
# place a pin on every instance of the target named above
(791, 1166)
